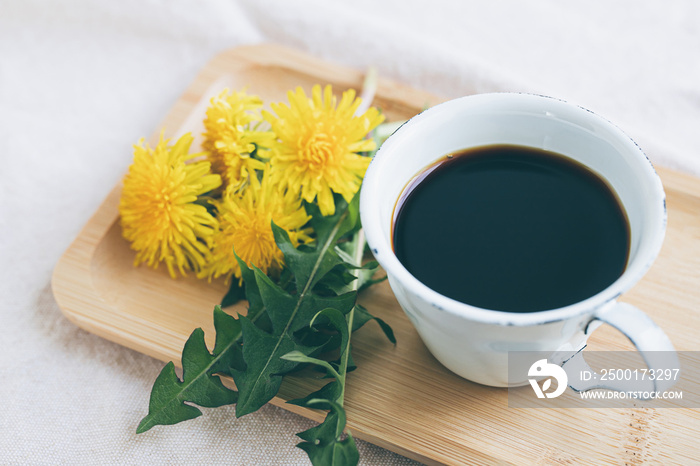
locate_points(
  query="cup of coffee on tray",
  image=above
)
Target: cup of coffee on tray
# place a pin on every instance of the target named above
(513, 222)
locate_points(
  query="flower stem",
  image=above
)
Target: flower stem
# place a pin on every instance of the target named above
(358, 251)
(369, 90)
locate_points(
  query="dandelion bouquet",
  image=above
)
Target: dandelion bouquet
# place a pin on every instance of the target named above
(270, 205)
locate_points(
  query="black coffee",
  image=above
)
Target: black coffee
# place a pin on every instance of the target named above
(511, 228)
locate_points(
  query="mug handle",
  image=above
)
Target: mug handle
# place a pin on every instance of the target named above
(652, 343)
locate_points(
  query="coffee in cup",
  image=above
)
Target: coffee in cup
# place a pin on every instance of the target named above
(511, 228)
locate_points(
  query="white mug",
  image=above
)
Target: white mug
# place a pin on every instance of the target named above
(474, 342)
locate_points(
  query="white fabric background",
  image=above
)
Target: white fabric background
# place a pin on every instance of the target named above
(81, 81)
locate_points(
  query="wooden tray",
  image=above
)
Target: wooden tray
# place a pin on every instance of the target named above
(400, 398)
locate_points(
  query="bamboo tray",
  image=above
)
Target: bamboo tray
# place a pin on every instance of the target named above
(400, 397)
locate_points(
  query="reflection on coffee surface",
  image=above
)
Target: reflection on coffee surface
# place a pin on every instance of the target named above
(511, 228)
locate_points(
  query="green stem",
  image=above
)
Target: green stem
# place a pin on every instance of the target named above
(358, 249)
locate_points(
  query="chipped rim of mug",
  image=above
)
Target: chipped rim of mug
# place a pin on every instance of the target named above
(383, 252)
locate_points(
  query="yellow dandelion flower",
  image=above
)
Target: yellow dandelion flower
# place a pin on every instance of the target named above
(159, 213)
(230, 137)
(245, 225)
(318, 144)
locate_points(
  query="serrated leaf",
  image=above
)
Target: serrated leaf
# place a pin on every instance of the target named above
(330, 391)
(324, 444)
(198, 385)
(262, 377)
(255, 304)
(227, 352)
(365, 276)
(344, 221)
(291, 313)
(337, 281)
(308, 266)
(339, 322)
(322, 339)
(362, 316)
(166, 406)
(297, 356)
(234, 294)
(340, 279)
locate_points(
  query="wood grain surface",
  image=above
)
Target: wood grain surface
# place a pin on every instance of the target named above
(400, 397)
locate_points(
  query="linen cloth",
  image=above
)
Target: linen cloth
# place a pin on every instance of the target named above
(81, 81)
